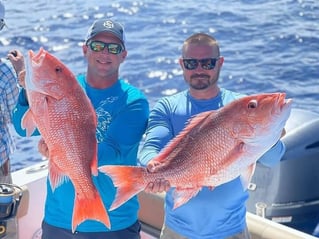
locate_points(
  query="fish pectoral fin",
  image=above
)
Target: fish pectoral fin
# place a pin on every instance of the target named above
(56, 176)
(183, 195)
(233, 155)
(28, 123)
(89, 208)
(246, 176)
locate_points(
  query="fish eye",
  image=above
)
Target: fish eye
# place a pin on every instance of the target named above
(58, 69)
(252, 104)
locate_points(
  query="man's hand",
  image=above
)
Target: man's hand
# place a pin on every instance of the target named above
(17, 60)
(283, 133)
(153, 165)
(43, 148)
(160, 184)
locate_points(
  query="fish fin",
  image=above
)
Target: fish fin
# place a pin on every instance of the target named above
(182, 196)
(129, 181)
(246, 176)
(197, 119)
(171, 149)
(94, 165)
(56, 176)
(89, 208)
(28, 123)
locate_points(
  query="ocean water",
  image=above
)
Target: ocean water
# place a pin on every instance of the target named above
(268, 45)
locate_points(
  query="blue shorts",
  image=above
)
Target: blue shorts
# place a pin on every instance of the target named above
(51, 232)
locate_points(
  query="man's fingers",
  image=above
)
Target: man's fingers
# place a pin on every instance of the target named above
(43, 148)
(158, 186)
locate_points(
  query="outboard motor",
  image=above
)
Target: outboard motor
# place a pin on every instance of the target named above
(10, 198)
(289, 192)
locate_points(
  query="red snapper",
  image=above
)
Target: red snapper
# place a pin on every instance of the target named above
(65, 117)
(215, 147)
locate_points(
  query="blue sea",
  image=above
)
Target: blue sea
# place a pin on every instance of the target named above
(268, 46)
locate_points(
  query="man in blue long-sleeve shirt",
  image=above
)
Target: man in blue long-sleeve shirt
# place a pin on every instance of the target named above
(218, 213)
(122, 111)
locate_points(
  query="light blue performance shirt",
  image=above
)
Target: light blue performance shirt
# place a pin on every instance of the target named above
(122, 112)
(217, 213)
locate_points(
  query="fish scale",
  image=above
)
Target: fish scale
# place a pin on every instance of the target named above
(62, 112)
(214, 148)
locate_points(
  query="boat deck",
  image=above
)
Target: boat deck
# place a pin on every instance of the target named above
(151, 214)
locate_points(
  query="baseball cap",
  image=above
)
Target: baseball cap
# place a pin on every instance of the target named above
(2, 11)
(106, 25)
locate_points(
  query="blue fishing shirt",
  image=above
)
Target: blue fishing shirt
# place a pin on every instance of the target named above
(217, 213)
(122, 113)
(9, 92)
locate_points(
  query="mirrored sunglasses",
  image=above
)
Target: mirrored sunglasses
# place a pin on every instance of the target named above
(113, 48)
(206, 64)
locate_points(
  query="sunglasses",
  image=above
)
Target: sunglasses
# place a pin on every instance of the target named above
(206, 64)
(113, 48)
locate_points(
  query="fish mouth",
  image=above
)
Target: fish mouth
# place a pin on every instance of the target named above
(37, 58)
(283, 109)
(34, 61)
(283, 102)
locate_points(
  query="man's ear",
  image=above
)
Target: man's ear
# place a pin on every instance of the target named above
(84, 49)
(124, 55)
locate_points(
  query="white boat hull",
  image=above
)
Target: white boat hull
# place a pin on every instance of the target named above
(30, 213)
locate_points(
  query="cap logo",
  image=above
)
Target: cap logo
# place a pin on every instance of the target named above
(108, 24)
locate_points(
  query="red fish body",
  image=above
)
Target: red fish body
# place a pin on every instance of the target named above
(214, 148)
(63, 114)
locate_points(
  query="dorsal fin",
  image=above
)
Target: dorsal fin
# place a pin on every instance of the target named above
(172, 145)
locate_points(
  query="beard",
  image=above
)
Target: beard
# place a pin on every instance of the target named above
(201, 81)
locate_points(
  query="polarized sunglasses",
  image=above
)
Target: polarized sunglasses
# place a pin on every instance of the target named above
(113, 48)
(206, 64)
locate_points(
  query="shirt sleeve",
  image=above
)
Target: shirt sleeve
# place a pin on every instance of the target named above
(20, 109)
(273, 155)
(159, 132)
(124, 133)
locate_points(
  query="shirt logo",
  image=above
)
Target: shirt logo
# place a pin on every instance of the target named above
(104, 118)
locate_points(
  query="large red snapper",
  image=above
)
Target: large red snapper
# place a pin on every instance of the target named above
(214, 148)
(63, 114)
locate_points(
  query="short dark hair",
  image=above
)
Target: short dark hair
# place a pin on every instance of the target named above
(201, 39)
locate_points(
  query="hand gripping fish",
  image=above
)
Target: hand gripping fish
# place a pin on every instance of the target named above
(62, 112)
(214, 147)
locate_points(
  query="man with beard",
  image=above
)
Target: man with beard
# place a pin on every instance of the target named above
(218, 213)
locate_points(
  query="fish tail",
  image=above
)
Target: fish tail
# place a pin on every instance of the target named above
(129, 181)
(89, 208)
